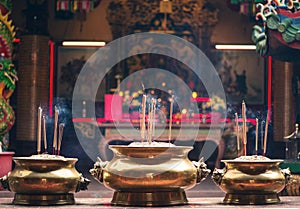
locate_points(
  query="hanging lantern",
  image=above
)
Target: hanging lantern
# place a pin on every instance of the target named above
(76, 5)
(246, 7)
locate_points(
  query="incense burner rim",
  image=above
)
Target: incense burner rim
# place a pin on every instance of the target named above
(45, 159)
(150, 147)
(253, 161)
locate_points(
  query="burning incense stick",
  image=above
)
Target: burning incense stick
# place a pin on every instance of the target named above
(170, 121)
(266, 135)
(39, 130)
(55, 130)
(60, 134)
(143, 125)
(237, 133)
(45, 133)
(256, 136)
(244, 128)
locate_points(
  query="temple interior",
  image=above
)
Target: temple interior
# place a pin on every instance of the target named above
(155, 103)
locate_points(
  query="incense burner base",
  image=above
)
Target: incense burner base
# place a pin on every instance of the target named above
(44, 199)
(251, 199)
(155, 198)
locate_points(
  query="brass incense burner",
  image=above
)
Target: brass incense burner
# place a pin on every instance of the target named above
(149, 176)
(251, 180)
(44, 180)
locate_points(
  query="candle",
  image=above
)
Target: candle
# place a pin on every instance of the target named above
(61, 130)
(39, 131)
(237, 133)
(55, 130)
(244, 128)
(170, 121)
(256, 136)
(143, 127)
(45, 133)
(266, 135)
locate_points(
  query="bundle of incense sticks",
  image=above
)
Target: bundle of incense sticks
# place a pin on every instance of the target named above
(151, 120)
(57, 142)
(41, 125)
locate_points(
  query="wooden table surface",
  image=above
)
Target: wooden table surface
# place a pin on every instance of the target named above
(205, 202)
(203, 195)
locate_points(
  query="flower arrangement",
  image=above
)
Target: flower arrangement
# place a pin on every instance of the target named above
(131, 101)
(214, 104)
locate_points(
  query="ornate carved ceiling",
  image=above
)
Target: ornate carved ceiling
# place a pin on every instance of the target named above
(187, 17)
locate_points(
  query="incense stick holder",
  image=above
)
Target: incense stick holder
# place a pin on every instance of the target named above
(44, 180)
(251, 180)
(149, 176)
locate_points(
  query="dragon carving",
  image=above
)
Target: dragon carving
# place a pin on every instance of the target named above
(8, 73)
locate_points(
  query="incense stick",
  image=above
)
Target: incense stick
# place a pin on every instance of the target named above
(149, 125)
(266, 135)
(244, 128)
(45, 133)
(153, 118)
(256, 137)
(39, 130)
(61, 130)
(143, 125)
(237, 133)
(170, 121)
(55, 130)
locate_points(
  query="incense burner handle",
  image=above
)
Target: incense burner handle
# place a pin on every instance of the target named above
(287, 174)
(217, 175)
(4, 182)
(202, 170)
(97, 171)
(82, 183)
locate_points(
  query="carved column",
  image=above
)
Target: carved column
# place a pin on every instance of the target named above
(283, 100)
(33, 72)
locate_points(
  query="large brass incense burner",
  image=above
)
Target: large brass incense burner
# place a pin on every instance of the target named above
(149, 176)
(251, 180)
(44, 180)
